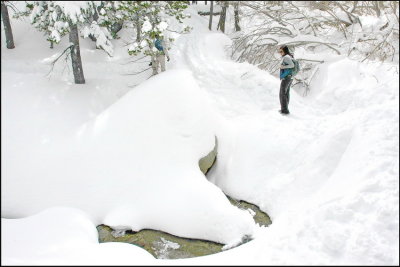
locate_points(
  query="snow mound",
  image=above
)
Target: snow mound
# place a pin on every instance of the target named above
(62, 235)
(136, 166)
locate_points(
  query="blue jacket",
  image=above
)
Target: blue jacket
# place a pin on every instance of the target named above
(288, 65)
(161, 46)
(284, 73)
(158, 45)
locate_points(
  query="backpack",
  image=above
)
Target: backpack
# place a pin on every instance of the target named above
(296, 68)
(158, 45)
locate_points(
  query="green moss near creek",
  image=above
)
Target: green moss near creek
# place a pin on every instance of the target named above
(163, 245)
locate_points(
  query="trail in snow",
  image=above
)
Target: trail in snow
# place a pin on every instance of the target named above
(248, 99)
(316, 171)
(236, 88)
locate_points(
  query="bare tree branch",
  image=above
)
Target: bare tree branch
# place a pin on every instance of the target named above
(53, 63)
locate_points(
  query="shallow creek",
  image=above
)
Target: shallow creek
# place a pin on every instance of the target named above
(163, 245)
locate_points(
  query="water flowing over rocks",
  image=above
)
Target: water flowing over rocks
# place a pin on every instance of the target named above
(163, 245)
(160, 244)
(259, 216)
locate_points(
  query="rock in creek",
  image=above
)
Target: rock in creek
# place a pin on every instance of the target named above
(166, 246)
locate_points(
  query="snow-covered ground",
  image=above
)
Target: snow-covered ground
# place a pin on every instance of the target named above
(75, 156)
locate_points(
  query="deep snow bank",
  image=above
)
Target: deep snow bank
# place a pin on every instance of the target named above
(327, 174)
(63, 236)
(135, 166)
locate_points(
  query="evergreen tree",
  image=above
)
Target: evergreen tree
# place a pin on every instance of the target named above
(57, 19)
(151, 19)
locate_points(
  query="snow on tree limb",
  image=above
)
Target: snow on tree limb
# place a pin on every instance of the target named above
(55, 19)
(364, 30)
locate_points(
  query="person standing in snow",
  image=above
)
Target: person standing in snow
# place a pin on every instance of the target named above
(158, 57)
(285, 75)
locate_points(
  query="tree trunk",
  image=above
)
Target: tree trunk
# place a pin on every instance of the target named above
(211, 15)
(7, 26)
(221, 23)
(377, 8)
(236, 6)
(76, 55)
(138, 29)
(116, 27)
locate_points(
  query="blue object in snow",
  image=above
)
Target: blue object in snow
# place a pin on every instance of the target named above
(158, 45)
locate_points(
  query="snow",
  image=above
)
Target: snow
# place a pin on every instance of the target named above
(76, 156)
(166, 246)
(162, 26)
(55, 35)
(73, 9)
(102, 37)
(202, 7)
(63, 235)
(146, 26)
(126, 134)
(301, 38)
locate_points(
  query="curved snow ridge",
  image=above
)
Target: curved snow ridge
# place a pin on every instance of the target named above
(136, 166)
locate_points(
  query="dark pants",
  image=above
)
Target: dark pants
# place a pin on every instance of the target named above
(284, 94)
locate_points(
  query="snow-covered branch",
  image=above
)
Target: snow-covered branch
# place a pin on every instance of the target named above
(361, 29)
